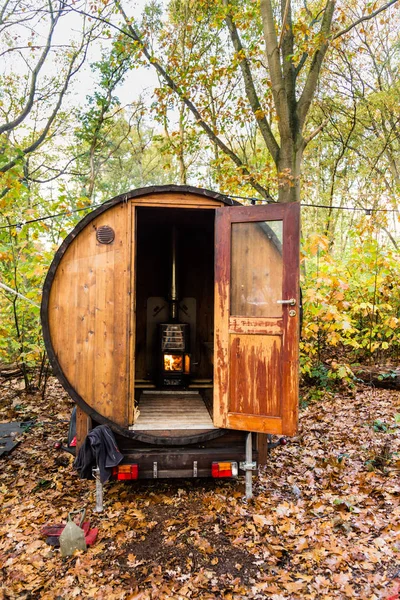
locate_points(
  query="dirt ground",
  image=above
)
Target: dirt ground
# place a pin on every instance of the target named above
(324, 522)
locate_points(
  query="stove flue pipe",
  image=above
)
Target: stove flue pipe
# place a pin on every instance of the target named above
(174, 300)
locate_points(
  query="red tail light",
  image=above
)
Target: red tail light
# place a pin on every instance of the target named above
(224, 469)
(126, 472)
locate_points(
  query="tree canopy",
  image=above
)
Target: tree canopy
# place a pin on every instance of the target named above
(277, 101)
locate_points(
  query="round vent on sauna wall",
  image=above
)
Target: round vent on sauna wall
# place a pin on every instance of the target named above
(105, 234)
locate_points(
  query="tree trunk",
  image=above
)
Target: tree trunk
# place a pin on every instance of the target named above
(289, 171)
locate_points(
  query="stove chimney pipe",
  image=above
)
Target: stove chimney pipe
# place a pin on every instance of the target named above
(174, 283)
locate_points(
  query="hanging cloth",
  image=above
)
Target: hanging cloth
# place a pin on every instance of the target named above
(98, 449)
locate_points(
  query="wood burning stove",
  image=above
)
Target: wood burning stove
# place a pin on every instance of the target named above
(175, 360)
(174, 337)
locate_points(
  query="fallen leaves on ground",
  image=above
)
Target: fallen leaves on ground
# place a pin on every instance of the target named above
(324, 521)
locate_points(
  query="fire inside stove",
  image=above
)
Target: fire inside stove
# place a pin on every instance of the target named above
(174, 351)
(173, 362)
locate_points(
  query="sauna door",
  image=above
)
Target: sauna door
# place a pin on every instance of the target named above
(256, 334)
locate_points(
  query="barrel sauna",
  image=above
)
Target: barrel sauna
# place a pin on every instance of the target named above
(170, 313)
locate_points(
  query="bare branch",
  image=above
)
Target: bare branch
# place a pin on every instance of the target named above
(316, 131)
(390, 236)
(58, 172)
(3, 10)
(72, 70)
(31, 96)
(365, 18)
(17, 48)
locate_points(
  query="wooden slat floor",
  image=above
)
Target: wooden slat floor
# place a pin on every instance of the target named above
(172, 410)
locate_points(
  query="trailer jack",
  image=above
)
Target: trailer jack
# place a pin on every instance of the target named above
(99, 490)
(249, 466)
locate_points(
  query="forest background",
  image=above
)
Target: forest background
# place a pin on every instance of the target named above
(311, 116)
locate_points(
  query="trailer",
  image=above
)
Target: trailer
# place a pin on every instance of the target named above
(171, 314)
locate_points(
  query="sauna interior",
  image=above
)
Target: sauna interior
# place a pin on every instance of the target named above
(174, 285)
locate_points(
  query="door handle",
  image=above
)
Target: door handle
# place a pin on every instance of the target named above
(291, 302)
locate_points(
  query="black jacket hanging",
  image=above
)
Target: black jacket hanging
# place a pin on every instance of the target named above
(98, 449)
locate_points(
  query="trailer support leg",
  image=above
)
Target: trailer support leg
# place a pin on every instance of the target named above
(99, 490)
(249, 460)
(248, 466)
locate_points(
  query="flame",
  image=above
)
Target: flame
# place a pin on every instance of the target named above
(173, 362)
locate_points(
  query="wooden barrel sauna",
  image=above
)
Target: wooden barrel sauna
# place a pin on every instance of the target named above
(155, 293)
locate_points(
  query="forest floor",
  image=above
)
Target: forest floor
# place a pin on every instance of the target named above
(324, 522)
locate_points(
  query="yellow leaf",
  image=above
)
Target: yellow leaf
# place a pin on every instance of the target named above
(261, 520)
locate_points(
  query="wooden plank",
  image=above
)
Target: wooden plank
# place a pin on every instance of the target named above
(103, 325)
(60, 314)
(83, 426)
(84, 286)
(254, 423)
(247, 214)
(221, 317)
(122, 309)
(85, 381)
(174, 433)
(168, 410)
(262, 447)
(178, 205)
(130, 365)
(177, 200)
(201, 386)
(291, 289)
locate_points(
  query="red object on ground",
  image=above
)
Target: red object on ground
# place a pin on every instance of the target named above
(56, 530)
(395, 595)
(73, 442)
(91, 536)
(52, 530)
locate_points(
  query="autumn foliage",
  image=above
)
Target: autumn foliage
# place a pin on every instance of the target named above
(323, 522)
(351, 305)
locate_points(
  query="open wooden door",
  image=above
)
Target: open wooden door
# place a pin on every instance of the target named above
(256, 334)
